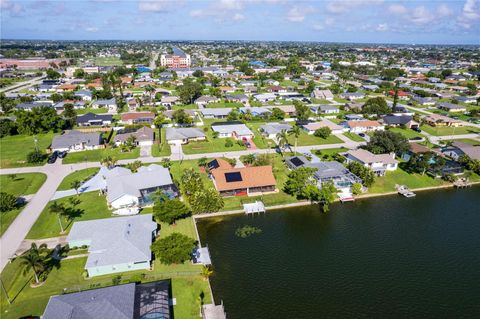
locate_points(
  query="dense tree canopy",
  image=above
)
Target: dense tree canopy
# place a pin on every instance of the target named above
(189, 91)
(376, 105)
(39, 120)
(386, 142)
(365, 173)
(174, 249)
(169, 210)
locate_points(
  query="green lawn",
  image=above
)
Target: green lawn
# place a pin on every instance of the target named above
(107, 61)
(387, 183)
(224, 105)
(161, 149)
(212, 145)
(354, 137)
(465, 140)
(23, 184)
(82, 175)
(97, 155)
(90, 110)
(447, 130)
(408, 133)
(15, 149)
(6, 218)
(305, 140)
(92, 206)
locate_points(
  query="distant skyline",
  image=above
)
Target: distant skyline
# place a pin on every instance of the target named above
(356, 21)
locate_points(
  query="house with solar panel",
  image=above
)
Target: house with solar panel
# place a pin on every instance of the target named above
(116, 244)
(241, 181)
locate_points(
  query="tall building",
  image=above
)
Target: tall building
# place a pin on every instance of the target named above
(178, 59)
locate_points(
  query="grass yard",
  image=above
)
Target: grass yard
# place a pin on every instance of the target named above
(466, 141)
(212, 145)
(305, 140)
(387, 183)
(408, 133)
(107, 61)
(90, 110)
(15, 149)
(224, 105)
(82, 175)
(97, 155)
(447, 130)
(22, 184)
(6, 218)
(354, 137)
(161, 149)
(92, 206)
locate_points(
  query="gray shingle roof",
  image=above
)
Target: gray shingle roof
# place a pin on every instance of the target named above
(117, 240)
(182, 133)
(275, 128)
(104, 303)
(76, 137)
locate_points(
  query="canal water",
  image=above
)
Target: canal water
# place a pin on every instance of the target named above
(385, 257)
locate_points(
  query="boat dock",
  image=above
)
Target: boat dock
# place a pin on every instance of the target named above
(251, 208)
(461, 183)
(403, 190)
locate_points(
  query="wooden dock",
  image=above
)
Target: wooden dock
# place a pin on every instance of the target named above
(462, 182)
(404, 191)
(252, 208)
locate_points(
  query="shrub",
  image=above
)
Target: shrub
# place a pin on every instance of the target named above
(228, 143)
(7, 202)
(247, 231)
(35, 157)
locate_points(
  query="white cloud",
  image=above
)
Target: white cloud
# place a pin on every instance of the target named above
(13, 8)
(298, 14)
(397, 9)
(153, 5)
(382, 27)
(91, 29)
(470, 14)
(444, 11)
(421, 15)
(238, 17)
(343, 6)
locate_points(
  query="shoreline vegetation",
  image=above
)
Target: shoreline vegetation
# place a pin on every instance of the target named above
(307, 203)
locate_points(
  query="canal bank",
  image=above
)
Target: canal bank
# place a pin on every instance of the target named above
(412, 258)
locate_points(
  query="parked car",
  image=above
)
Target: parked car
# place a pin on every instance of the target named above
(416, 129)
(62, 154)
(52, 158)
(361, 134)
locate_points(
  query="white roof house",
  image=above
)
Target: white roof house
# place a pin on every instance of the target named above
(115, 244)
(322, 94)
(312, 127)
(272, 129)
(237, 131)
(127, 189)
(379, 163)
(216, 112)
(183, 135)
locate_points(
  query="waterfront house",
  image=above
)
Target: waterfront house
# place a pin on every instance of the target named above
(183, 135)
(458, 149)
(143, 136)
(244, 181)
(127, 301)
(378, 163)
(127, 189)
(92, 119)
(75, 141)
(415, 148)
(116, 244)
(236, 130)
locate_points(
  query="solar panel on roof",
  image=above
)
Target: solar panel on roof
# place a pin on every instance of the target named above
(213, 164)
(297, 162)
(233, 177)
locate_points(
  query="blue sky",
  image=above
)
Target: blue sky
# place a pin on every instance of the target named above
(377, 21)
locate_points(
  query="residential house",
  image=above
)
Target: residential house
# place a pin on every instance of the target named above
(133, 104)
(256, 111)
(110, 105)
(116, 244)
(287, 109)
(402, 95)
(127, 301)
(423, 101)
(143, 136)
(324, 109)
(75, 141)
(206, 99)
(400, 120)
(216, 113)
(322, 94)
(92, 119)
(241, 98)
(458, 149)
(363, 126)
(417, 149)
(244, 181)
(28, 106)
(236, 130)
(378, 163)
(351, 96)
(127, 189)
(333, 172)
(276, 89)
(270, 130)
(311, 127)
(441, 120)
(450, 107)
(183, 135)
(371, 87)
(265, 97)
(137, 118)
(466, 99)
(169, 101)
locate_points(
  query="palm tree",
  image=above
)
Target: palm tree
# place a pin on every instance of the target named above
(35, 259)
(60, 210)
(150, 89)
(108, 161)
(295, 131)
(207, 271)
(76, 185)
(282, 139)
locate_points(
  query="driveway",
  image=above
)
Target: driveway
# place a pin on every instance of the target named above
(145, 150)
(177, 152)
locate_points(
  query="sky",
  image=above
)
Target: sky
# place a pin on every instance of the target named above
(361, 21)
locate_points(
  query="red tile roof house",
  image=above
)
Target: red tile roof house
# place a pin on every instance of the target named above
(364, 126)
(137, 118)
(244, 181)
(402, 95)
